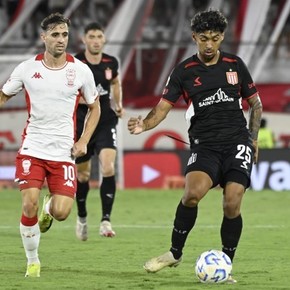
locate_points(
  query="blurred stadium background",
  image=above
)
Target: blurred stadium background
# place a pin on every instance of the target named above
(149, 37)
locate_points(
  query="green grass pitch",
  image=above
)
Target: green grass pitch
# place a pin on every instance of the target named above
(143, 221)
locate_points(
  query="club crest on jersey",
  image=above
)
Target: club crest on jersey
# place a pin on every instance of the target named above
(70, 76)
(232, 77)
(26, 164)
(108, 74)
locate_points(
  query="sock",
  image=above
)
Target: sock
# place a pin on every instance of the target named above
(185, 218)
(231, 230)
(81, 198)
(107, 192)
(30, 234)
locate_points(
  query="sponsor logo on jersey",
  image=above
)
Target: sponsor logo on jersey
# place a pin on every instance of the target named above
(108, 74)
(197, 82)
(218, 97)
(70, 76)
(37, 75)
(232, 77)
(26, 164)
(101, 91)
(69, 183)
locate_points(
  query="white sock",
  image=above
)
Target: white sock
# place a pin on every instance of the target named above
(30, 239)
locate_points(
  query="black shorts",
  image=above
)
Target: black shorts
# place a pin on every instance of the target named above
(104, 136)
(223, 163)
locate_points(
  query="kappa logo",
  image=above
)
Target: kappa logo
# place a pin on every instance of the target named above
(37, 75)
(197, 82)
(69, 183)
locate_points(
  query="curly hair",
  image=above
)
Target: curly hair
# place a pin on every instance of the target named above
(209, 20)
(52, 20)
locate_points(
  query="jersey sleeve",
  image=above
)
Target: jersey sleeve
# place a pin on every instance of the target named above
(15, 82)
(115, 68)
(88, 90)
(173, 88)
(248, 87)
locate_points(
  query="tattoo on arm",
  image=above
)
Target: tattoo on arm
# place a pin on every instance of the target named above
(255, 117)
(151, 120)
(155, 117)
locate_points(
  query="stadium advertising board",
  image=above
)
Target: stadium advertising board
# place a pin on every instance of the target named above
(152, 168)
(151, 157)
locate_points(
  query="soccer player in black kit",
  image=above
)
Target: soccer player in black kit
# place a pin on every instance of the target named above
(223, 149)
(103, 142)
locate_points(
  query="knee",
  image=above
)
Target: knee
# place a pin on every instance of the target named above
(190, 198)
(60, 214)
(61, 210)
(83, 176)
(108, 170)
(30, 208)
(231, 208)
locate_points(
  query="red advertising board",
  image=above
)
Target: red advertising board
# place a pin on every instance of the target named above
(150, 169)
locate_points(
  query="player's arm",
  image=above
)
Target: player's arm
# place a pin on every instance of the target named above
(90, 124)
(3, 98)
(255, 114)
(155, 117)
(116, 89)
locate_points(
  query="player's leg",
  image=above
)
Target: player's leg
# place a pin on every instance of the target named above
(197, 184)
(202, 173)
(236, 178)
(83, 175)
(232, 223)
(30, 177)
(29, 230)
(61, 180)
(107, 159)
(237, 167)
(83, 187)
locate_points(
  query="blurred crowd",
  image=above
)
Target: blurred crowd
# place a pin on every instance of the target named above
(158, 26)
(87, 11)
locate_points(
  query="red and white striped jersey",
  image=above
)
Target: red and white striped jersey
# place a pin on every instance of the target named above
(52, 96)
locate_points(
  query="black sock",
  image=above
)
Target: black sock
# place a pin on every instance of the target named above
(81, 197)
(231, 230)
(107, 192)
(185, 218)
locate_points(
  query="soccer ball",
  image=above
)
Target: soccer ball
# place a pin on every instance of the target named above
(213, 266)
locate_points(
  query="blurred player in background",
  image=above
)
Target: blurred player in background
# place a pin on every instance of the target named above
(52, 82)
(223, 150)
(266, 138)
(103, 142)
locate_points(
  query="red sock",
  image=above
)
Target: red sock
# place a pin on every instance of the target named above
(29, 222)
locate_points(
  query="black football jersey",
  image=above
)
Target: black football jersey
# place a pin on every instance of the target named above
(214, 97)
(103, 73)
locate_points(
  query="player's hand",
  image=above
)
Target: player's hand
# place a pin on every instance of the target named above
(135, 125)
(120, 112)
(79, 149)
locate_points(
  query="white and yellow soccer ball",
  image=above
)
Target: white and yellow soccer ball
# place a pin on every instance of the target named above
(213, 266)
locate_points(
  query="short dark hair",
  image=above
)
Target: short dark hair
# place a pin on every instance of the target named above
(209, 20)
(263, 123)
(93, 26)
(52, 20)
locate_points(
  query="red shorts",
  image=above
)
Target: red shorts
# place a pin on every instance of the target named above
(32, 172)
